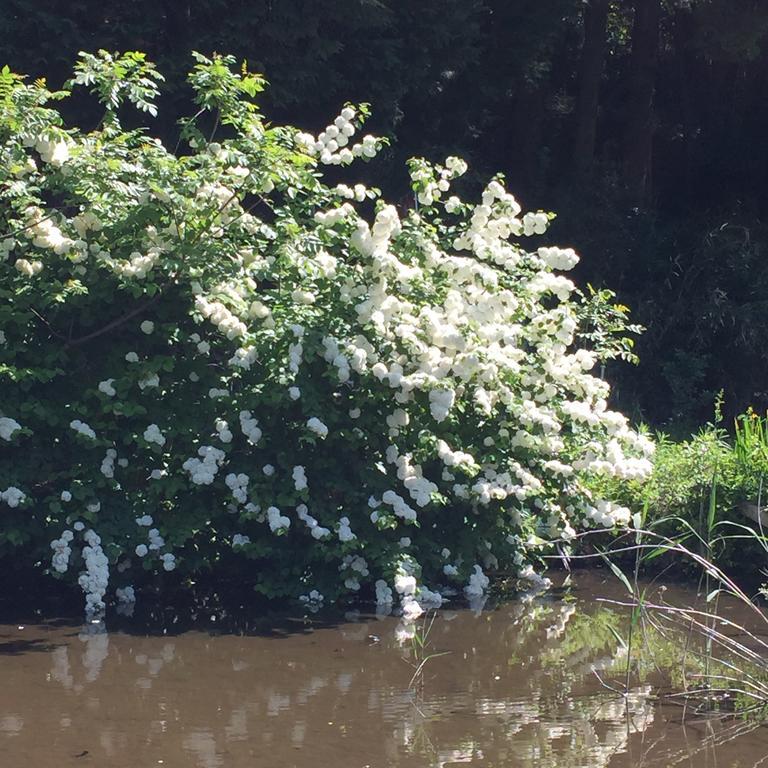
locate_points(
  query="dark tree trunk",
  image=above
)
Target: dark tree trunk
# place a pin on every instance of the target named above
(588, 96)
(638, 134)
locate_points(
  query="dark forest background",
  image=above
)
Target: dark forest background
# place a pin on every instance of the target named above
(643, 124)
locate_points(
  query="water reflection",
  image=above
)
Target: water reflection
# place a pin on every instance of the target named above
(535, 682)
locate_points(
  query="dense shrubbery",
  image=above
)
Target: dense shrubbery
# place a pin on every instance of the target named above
(211, 359)
(700, 494)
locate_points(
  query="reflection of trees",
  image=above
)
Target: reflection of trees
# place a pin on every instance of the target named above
(517, 688)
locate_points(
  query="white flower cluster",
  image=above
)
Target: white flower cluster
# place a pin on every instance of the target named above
(316, 530)
(45, 235)
(61, 552)
(7, 427)
(299, 478)
(238, 484)
(53, 150)
(137, 265)
(313, 597)
(240, 540)
(331, 145)
(107, 388)
(202, 471)
(223, 431)
(315, 425)
(358, 192)
(250, 427)
(82, 429)
(12, 496)
(608, 515)
(440, 403)
(431, 183)
(152, 434)
(558, 258)
(345, 531)
(278, 522)
(227, 322)
(108, 463)
(28, 268)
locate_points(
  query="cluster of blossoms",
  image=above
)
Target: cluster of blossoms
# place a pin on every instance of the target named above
(316, 530)
(82, 429)
(12, 496)
(202, 471)
(61, 551)
(7, 427)
(152, 434)
(402, 379)
(332, 145)
(278, 522)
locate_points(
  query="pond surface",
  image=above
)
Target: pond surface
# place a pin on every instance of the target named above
(536, 681)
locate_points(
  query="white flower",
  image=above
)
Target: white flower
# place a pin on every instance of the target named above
(7, 427)
(147, 327)
(250, 427)
(303, 297)
(299, 478)
(66, 496)
(106, 387)
(82, 429)
(277, 521)
(152, 434)
(12, 496)
(405, 584)
(315, 425)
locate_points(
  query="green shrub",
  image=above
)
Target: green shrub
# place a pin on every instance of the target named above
(212, 360)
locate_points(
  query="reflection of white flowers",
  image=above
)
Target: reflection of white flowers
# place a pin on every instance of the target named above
(478, 583)
(95, 579)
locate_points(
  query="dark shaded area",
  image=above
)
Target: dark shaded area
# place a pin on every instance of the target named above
(643, 124)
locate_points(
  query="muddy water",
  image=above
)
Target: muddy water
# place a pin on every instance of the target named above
(531, 682)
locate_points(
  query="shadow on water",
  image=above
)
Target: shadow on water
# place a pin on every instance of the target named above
(536, 681)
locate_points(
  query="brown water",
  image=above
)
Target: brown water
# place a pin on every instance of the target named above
(527, 683)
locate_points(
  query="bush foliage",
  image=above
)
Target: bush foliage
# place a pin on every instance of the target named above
(233, 356)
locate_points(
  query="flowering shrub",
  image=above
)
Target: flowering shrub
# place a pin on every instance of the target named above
(212, 359)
